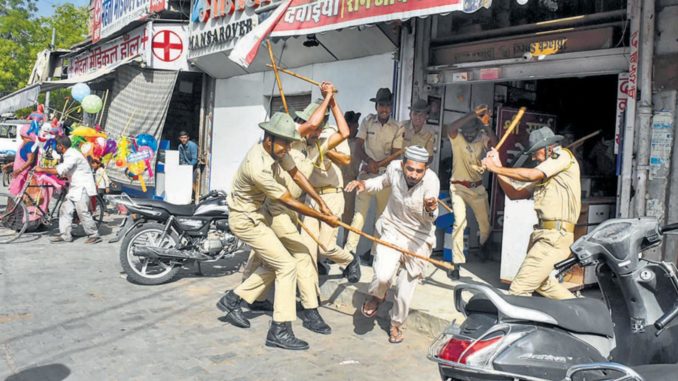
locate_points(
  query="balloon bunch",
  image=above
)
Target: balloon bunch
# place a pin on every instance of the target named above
(90, 103)
(136, 154)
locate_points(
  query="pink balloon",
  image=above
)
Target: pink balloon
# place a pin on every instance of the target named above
(101, 142)
(148, 161)
(86, 149)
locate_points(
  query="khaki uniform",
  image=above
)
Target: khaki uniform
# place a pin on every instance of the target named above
(466, 159)
(328, 182)
(557, 199)
(253, 183)
(426, 137)
(350, 173)
(407, 224)
(379, 140)
(284, 225)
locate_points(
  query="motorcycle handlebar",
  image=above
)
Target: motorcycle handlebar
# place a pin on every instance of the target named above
(213, 193)
(563, 265)
(665, 319)
(668, 228)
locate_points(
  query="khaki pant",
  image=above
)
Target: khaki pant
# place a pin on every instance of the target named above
(349, 207)
(307, 274)
(476, 199)
(326, 234)
(271, 251)
(546, 248)
(81, 207)
(362, 206)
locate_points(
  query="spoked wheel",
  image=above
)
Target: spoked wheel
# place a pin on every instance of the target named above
(13, 218)
(144, 270)
(98, 207)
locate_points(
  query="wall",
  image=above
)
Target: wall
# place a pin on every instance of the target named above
(241, 102)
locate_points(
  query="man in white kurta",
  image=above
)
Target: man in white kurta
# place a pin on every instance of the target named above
(406, 222)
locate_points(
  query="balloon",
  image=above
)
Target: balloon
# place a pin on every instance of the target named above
(137, 169)
(87, 132)
(86, 149)
(25, 150)
(111, 146)
(77, 140)
(107, 158)
(101, 142)
(147, 140)
(80, 91)
(149, 158)
(120, 163)
(97, 151)
(92, 104)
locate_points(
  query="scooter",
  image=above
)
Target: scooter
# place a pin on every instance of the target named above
(628, 336)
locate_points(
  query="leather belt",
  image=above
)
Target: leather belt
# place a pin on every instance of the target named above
(468, 184)
(557, 225)
(328, 190)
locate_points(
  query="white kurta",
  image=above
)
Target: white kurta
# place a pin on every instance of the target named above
(80, 178)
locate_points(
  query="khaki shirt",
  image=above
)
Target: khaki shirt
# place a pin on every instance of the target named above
(426, 137)
(255, 181)
(558, 196)
(380, 139)
(466, 155)
(327, 173)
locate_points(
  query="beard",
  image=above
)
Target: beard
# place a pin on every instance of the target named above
(411, 182)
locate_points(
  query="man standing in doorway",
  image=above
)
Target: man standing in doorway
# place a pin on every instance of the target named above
(188, 155)
(416, 131)
(380, 140)
(470, 137)
(407, 222)
(81, 187)
(555, 185)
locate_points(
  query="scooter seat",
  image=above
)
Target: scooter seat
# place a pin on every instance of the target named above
(657, 372)
(177, 210)
(580, 315)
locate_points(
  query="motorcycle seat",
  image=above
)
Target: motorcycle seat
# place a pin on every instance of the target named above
(177, 210)
(657, 372)
(580, 315)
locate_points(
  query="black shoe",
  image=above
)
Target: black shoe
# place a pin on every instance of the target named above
(260, 305)
(281, 335)
(366, 259)
(314, 322)
(230, 303)
(454, 274)
(323, 268)
(352, 271)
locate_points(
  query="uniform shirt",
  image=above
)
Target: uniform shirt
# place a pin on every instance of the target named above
(350, 172)
(558, 196)
(327, 173)
(466, 155)
(254, 180)
(380, 139)
(80, 178)
(426, 137)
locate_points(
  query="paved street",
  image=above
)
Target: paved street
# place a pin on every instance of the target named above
(68, 313)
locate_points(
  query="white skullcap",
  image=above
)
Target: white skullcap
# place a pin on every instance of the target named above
(416, 153)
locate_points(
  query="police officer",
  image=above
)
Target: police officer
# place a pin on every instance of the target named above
(254, 182)
(416, 131)
(381, 139)
(470, 137)
(350, 171)
(555, 185)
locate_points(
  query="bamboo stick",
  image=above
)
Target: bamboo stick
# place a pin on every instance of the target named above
(444, 205)
(308, 231)
(299, 76)
(277, 76)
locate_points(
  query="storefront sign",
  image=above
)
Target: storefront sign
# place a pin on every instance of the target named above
(564, 42)
(166, 50)
(109, 16)
(304, 16)
(489, 74)
(515, 144)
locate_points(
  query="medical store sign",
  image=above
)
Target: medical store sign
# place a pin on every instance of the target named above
(216, 25)
(109, 16)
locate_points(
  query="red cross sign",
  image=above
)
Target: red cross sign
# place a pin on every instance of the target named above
(167, 45)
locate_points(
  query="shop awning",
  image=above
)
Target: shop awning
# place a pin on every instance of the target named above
(28, 96)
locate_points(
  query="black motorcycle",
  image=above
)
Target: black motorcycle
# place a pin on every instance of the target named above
(529, 338)
(159, 238)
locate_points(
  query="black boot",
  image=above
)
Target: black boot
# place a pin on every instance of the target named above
(352, 271)
(323, 267)
(261, 305)
(454, 274)
(281, 335)
(230, 303)
(314, 322)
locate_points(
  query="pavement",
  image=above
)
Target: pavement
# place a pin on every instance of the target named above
(67, 312)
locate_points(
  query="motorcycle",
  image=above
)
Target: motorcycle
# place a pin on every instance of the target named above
(159, 238)
(627, 336)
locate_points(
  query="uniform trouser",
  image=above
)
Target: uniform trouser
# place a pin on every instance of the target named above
(326, 234)
(386, 263)
(362, 206)
(306, 272)
(280, 266)
(546, 248)
(476, 199)
(81, 207)
(349, 207)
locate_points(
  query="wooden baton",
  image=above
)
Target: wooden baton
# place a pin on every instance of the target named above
(580, 141)
(444, 205)
(313, 237)
(303, 78)
(512, 126)
(436, 262)
(277, 76)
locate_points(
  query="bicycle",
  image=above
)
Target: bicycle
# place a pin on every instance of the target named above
(15, 210)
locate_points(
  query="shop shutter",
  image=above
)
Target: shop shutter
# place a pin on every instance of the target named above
(294, 102)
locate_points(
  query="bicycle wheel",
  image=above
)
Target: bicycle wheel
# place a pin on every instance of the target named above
(13, 218)
(98, 210)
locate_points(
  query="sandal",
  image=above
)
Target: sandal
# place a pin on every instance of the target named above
(395, 334)
(370, 306)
